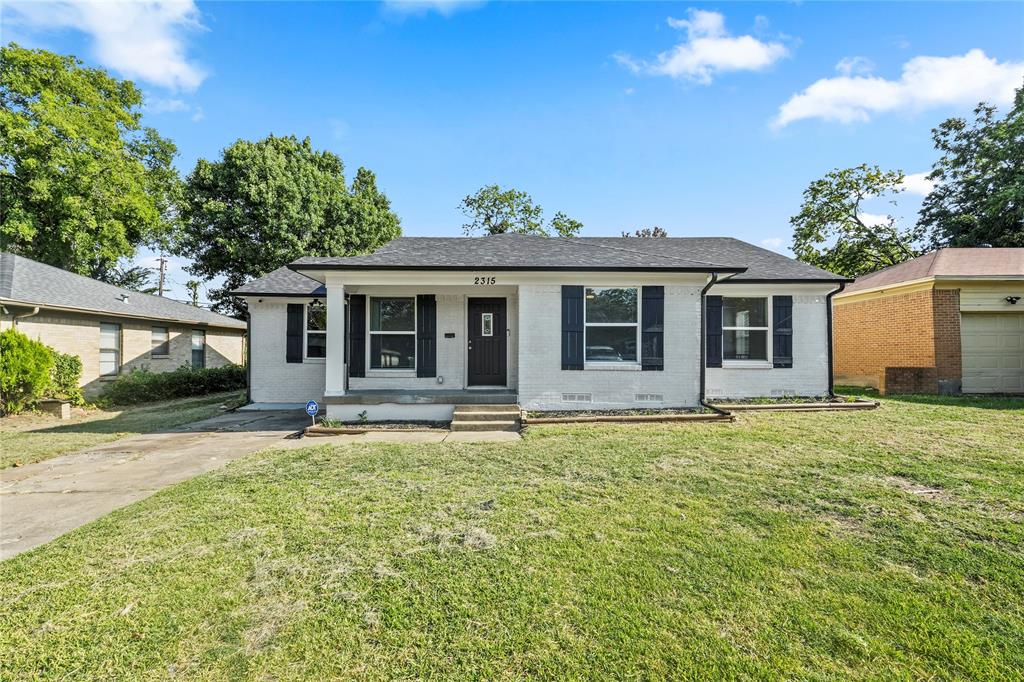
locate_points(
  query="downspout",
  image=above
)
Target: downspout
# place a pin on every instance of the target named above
(703, 348)
(828, 330)
(248, 354)
(31, 313)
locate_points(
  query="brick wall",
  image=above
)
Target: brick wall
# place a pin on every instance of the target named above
(916, 330)
(79, 334)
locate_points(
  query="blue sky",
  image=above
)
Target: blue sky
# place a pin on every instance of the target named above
(705, 119)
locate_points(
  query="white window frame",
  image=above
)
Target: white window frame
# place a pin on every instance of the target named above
(306, 331)
(369, 329)
(613, 364)
(116, 351)
(167, 342)
(769, 351)
(192, 348)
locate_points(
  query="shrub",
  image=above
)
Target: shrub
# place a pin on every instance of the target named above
(65, 377)
(24, 371)
(141, 385)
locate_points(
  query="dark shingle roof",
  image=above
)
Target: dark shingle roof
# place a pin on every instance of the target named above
(282, 282)
(529, 252)
(512, 252)
(26, 281)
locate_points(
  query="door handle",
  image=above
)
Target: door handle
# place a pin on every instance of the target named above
(470, 345)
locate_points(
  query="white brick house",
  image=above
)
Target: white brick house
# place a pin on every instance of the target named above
(425, 324)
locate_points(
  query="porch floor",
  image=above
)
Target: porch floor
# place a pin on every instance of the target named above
(377, 396)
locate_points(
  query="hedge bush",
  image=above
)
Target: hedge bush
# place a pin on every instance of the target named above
(65, 377)
(141, 385)
(25, 367)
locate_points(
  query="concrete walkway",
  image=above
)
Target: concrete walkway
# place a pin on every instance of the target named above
(41, 501)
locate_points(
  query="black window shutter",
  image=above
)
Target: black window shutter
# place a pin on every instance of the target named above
(782, 331)
(572, 327)
(293, 330)
(652, 329)
(356, 335)
(426, 335)
(713, 331)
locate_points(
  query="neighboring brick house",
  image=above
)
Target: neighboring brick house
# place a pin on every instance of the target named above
(950, 321)
(425, 324)
(113, 330)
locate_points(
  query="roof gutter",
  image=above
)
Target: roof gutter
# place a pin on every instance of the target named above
(23, 316)
(703, 347)
(128, 315)
(828, 330)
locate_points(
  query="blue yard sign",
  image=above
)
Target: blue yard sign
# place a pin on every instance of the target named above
(311, 409)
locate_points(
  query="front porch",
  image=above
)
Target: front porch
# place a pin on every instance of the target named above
(382, 396)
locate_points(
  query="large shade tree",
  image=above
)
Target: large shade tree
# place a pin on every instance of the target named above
(978, 198)
(82, 182)
(266, 203)
(493, 210)
(832, 231)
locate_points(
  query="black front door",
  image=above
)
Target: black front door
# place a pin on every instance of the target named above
(487, 342)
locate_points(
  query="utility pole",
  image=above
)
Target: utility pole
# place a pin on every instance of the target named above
(163, 271)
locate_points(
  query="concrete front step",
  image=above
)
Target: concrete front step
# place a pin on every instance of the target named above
(469, 409)
(480, 416)
(488, 425)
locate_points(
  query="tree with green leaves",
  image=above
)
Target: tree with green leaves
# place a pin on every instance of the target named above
(978, 198)
(266, 203)
(82, 182)
(133, 277)
(647, 232)
(493, 210)
(832, 232)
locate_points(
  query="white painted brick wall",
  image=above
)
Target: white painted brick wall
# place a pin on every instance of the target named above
(542, 381)
(273, 379)
(809, 374)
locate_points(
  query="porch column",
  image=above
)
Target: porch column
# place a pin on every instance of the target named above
(334, 383)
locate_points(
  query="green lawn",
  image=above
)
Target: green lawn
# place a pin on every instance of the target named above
(33, 437)
(882, 544)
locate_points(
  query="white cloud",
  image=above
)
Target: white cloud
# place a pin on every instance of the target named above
(855, 66)
(926, 82)
(874, 219)
(141, 40)
(918, 183)
(445, 8)
(773, 243)
(708, 51)
(198, 115)
(159, 105)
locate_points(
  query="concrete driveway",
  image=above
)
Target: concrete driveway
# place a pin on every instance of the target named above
(41, 501)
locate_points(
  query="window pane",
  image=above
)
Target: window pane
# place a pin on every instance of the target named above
(611, 305)
(316, 318)
(392, 351)
(744, 312)
(487, 324)
(198, 349)
(110, 336)
(316, 345)
(741, 344)
(198, 339)
(611, 344)
(393, 314)
(161, 341)
(108, 362)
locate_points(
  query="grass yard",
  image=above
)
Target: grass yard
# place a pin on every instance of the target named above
(882, 544)
(33, 437)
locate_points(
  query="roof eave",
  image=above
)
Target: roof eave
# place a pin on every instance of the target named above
(136, 316)
(300, 267)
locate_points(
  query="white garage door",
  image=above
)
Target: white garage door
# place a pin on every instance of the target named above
(993, 350)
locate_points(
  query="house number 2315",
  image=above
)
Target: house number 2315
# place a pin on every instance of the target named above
(483, 280)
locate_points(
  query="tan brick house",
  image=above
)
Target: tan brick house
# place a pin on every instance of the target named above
(113, 330)
(949, 321)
